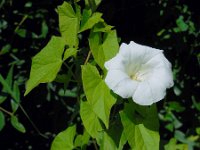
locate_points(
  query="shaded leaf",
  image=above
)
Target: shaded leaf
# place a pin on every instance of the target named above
(140, 126)
(2, 120)
(17, 125)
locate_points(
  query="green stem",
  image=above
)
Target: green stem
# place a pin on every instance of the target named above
(5, 111)
(88, 57)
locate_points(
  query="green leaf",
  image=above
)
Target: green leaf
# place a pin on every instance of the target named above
(140, 126)
(2, 120)
(69, 52)
(90, 120)
(181, 24)
(110, 45)
(65, 139)
(103, 51)
(16, 101)
(89, 21)
(102, 27)
(17, 125)
(97, 93)
(112, 139)
(93, 4)
(107, 143)
(68, 24)
(21, 32)
(82, 140)
(7, 84)
(46, 64)
(172, 145)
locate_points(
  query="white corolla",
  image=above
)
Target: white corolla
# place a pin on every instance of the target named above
(140, 72)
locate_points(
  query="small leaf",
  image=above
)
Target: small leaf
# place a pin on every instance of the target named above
(89, 21)
(21, 32)
(2, 120)
(82, 140)
(140, 126)
(181, 24)
(46, 64)
(97, 93)
(93, 4)
(65, 139)
(102, 27)
(68, 24)
(17, 125)
(69, 52)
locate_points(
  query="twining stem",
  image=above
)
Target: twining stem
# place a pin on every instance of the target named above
(5, 111)
(88, 57)
(65, 64)
(21, 22)
(34, 126)
(95, 144)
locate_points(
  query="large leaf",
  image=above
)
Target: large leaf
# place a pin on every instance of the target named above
(65, 139)
(46, 64)
(104, 48)
(97, 93)
(90, 120)
(140, 126)
(89, 21)
(68, 24)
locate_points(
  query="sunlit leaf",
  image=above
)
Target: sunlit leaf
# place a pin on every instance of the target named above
(69, 52)
(103, 48)
(65, 139)
(46, 64)
(97, 93)
(68, 24)
(93, 4)
(82, 140)
(89, 21)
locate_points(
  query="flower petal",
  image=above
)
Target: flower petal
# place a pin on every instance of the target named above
(113, 78)
(143, 94)
(115, 63)
(159, 82)
(126, 88)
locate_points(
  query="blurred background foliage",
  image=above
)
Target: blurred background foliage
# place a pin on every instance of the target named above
(26, 26)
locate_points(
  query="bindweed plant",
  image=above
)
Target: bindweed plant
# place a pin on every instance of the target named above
(112, 112)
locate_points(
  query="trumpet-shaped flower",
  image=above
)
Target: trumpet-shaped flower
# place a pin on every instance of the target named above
(140, 72)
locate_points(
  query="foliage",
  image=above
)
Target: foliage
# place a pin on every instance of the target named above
(72, 65)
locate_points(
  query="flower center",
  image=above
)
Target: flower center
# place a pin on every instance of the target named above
(135, 77)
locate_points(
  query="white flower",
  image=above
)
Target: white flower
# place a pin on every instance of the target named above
(140, 72)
